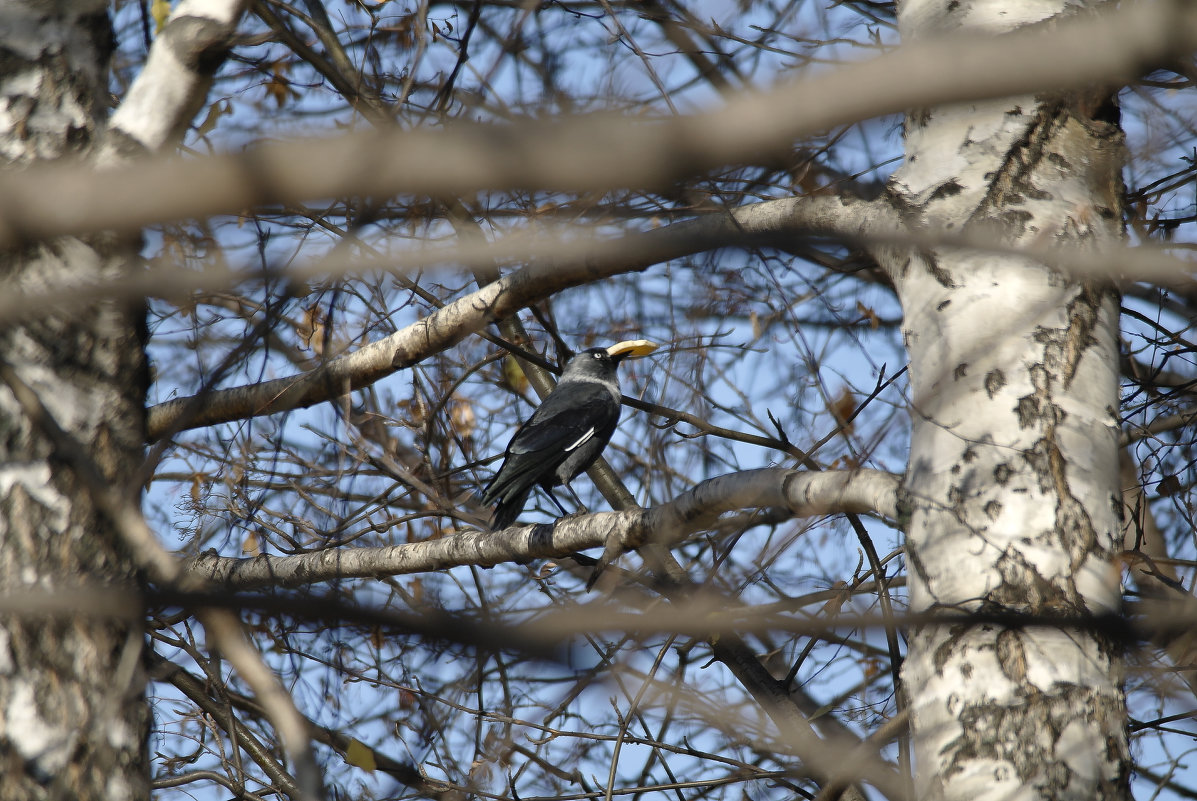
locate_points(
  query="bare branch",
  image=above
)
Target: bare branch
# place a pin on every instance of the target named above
(453, 322)
(803, 494)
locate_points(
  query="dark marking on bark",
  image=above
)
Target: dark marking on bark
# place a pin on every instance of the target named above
(945, 190)
(1060, 161)
(1083, 315)
(993, 510)
(1023, 589)
(77, 138)
(401, 360)
(946, 649)
(943, 304)
(916, 564)
(1012, 657)
(1012, 179)
(1015, 221)
(905, 509)
(938, 273)
(1002, 474)
(1027, 411)
(1064, 347)
(199, 43)
(960, 372)
(1037, 407)
(124, 144)
(1074, 528)
(994, 380)
(1014, 734)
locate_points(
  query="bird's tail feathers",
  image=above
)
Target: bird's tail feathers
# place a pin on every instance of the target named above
(508, 509)
(510, 489)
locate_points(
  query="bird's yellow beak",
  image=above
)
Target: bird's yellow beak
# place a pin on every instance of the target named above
(632, 348)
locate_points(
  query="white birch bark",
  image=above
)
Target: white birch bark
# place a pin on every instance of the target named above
(172, 87)
(73, 718)
(1012, 482)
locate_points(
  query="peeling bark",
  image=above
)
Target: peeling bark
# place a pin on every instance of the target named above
(1013, 472)
(73, 717)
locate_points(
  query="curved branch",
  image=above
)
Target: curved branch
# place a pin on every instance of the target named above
(803, 494)
(776, 220)
(238, 732)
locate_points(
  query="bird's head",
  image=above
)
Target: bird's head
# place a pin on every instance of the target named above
(592, 363)
(601, 362)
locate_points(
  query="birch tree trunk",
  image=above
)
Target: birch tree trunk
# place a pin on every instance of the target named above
(1012, 482)
(73, 716)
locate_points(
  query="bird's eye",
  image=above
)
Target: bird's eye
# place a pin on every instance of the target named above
(598, 355)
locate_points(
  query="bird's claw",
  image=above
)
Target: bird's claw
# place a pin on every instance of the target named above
(579, 513)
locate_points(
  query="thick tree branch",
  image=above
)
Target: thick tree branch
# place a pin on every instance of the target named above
(598, 152)
(443, 328)
(803, 494)
(174, 83)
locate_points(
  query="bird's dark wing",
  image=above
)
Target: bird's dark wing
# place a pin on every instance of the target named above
(572, 414)
(576, 420)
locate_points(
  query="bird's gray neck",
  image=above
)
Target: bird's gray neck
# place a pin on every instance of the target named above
(611, 384)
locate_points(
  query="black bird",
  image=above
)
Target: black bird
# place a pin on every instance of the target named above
(566, 433)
